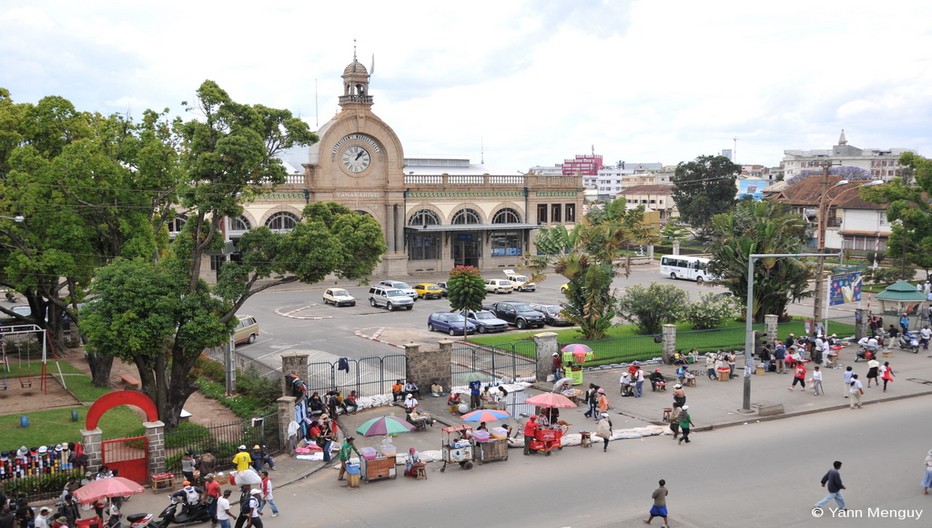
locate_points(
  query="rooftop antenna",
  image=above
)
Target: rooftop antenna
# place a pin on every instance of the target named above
(354, 55)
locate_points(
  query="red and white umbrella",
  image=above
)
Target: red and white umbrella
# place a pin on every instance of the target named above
(551, 399)
(105, 488)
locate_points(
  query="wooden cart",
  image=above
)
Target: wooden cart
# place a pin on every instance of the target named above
(492, 450)
(379, 468)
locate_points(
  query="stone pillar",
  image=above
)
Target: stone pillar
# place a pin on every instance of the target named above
(92, 448)
(546, 344)
(399, 229)
(669, 342)
(285, 417)
(770, 329)
(390, 228)
(676, 247)
(294, 363)
(155, 435)
(860, 324)
(427, 366)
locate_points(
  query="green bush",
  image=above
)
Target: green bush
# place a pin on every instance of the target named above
(652, 307)
(242, 406)
(710, 310)
(251, 384)
(210, 369)
(889, 275)
(42, 484)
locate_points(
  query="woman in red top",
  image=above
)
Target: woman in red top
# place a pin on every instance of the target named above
(887, 375)
(799, 376)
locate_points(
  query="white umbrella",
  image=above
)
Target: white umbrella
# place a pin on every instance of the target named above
(247, 477)
(560, 382)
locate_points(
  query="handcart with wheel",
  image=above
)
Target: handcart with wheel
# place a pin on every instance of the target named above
(457, 446)
(547, 439)
(492, 450)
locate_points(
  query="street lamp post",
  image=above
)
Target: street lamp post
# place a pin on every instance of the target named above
(749, 320)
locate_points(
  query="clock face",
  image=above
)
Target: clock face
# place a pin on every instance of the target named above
(356, 159)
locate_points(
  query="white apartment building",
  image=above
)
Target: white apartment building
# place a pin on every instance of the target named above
(612, 180)
(882, 164)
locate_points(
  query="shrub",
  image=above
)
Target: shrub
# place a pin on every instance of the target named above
(710, 310)
(208, 368)
(651, 307)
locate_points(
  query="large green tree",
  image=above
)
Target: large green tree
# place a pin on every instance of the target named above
(466, 289)
(761, 228)
(704, 188)
(908, 211)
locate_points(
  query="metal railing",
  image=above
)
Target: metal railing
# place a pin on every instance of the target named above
(367, 376)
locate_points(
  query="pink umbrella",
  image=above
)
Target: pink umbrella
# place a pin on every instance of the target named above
(105, 488)
(485, 415)
(551, 399)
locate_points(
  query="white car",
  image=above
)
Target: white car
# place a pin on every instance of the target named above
(339, 297)
(400, 285)
(520, 283)
(498, 286)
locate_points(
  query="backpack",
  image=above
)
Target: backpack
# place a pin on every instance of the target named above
(191, 495)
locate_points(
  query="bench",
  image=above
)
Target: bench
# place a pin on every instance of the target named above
(130, 380)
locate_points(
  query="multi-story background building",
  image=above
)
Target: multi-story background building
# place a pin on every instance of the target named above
(882, 164)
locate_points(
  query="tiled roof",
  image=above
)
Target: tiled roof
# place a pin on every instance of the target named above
(649, 189)
(809, 191)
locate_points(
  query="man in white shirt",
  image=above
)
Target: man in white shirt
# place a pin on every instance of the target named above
(924, 336)
(817, 381)
(223, 509)
(42, 520)
(856, 390)
(255, 519)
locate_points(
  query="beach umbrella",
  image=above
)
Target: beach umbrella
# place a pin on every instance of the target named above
(106, 488)
(384, 425)
(485, 415)
(551, 399)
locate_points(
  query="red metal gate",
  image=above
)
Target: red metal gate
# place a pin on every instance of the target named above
(128, 455)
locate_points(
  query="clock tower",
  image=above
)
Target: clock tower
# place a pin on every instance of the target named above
(359, 162)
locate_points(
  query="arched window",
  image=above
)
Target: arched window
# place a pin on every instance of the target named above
(282, 221)
(507, 216)
(424, 217)
(466, 216)
(240, 224)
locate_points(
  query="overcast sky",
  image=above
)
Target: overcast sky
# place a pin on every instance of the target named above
(527, 82)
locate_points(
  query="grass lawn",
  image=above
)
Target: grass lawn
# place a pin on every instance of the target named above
(624, 344)
(55, 426)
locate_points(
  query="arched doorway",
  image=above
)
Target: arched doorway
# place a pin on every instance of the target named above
(128, 456)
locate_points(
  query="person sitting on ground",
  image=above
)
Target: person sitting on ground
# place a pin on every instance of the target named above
(315, 404)
(411, 388)
(657, 381)
(454, 402)
(482, 427)
(397, 391)
(678, 359)
(350, 403)
(681, 372)
(486, 396)
(627, 384)
(411, 403)
(436, 390)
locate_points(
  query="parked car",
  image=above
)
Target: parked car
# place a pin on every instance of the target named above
(390, 298)
(246, 331)
(449, 322)
(498, 286)
(9, 320)
(565, 287)
(520, 283)
(517, 313)
(443, 286)
(486, 322)
(400, 285)
(428, 290)
(338, 297)
(553, 314)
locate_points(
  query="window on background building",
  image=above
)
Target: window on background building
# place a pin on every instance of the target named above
(570, 213)
(282, 221)
(541, 213)
(555, 215)
(424, 217)
(506, 216)
(240, 224)
(423, 245)
(175, 225)
(466, 216)
(506, 243)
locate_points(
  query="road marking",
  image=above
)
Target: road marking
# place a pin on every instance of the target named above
(376, 336)
(291, 314)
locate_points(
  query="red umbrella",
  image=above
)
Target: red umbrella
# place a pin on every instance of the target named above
(105, 488)
(551, 399)
(485, 415)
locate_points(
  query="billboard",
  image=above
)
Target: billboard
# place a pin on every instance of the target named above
(845, 288)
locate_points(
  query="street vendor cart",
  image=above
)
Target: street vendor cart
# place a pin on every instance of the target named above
(491, 450)
(546, 440)
(379, 468)
(457, 446)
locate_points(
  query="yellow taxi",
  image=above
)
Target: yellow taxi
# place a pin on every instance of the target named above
(428, 290)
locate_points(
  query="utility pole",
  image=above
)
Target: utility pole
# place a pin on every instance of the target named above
(820, 270)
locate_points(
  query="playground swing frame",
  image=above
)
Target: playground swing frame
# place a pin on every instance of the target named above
(23, 330)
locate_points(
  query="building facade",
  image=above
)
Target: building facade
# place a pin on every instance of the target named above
(882, 164)
(435, 213)
(655, 197)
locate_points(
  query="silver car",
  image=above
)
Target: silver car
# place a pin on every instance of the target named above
(486, 321)
(553, 314)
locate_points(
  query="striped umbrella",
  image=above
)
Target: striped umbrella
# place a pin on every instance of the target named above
(385, 425)
(485, 415)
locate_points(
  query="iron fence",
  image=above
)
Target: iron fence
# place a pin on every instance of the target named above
(367, 376)
(222, 440)
(41, 487)
(483, 363)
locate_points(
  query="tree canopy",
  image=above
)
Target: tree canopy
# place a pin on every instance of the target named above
(704, 188)
(754, 228)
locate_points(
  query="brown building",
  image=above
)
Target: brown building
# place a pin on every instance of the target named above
(654, 197)
(435, 213)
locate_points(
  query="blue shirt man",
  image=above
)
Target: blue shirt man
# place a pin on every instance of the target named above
(474, 388)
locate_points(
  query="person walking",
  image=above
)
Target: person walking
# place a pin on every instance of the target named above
(255, 516)
(556, 367)
(856, 391)
(266, 488)
(685, 423)
(710, 366)
(832, 482)
(873, 372)
(779, 355)
(927, 480)
(675, 420)
(659, 508)
(211, 495)
(849, 373)
(346, 452)
(604, 430)
(638, 382)
(603, 402)
(886, 374)
(223, 509)
(592, 400)
(799, 376)
(242, 459)
(817, 381)
(244, 498)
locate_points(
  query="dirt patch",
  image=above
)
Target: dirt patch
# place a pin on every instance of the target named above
(203, 410)
(20, 395)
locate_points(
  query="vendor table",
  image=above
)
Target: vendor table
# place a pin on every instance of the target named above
(161, 481)
(379, 468)
(492, 450)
